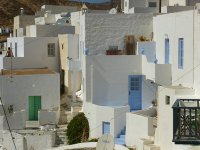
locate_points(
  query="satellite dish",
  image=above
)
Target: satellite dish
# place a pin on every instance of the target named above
(113, 11)
(106, 142)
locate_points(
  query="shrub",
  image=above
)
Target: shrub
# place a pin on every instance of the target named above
(78, 129)
(93, 140)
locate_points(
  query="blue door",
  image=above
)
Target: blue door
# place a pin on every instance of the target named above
(135, 92)
(106, 127)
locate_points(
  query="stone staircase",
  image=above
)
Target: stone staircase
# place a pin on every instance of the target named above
(121, 138)
(61, 138)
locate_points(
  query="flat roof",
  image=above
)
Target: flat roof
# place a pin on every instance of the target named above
(27, 72)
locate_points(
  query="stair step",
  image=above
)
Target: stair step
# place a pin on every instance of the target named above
(122, 136)
(120, 141)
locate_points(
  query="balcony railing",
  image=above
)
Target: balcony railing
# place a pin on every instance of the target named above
(186, 121)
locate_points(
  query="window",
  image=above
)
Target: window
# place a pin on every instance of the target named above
(152, 4)
(15, 49)
(167, 100)
(167, 51)
(180, 53)
(135, 84)
(51, 49)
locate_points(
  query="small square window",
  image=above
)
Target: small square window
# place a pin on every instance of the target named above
(167, 100)
(51, 49)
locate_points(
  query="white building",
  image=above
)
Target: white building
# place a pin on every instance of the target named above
(108, 82)
(30, 96)
(32, 52)
(20, 23)
(69, 55)
(140, 6)
(177, 52)
(99, 31)
(48, 30)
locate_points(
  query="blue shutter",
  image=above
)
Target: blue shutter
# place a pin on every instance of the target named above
(167, 51)
(180, 53)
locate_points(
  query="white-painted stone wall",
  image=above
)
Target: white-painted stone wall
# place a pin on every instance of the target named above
(106, 79)
(20, 22)
(139, 6)
(58, 8)
(40, 141)
(172, 9)
(18, 139)
(148, 49)
(180, 26)
(97, 114)
(49, 30)
(69, 47)
(17, 91)
(17, 120)
(99, 31)
(75, 21)
(139, 125)
(32, 52)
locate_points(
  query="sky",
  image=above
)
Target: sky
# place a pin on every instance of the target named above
(92, 1)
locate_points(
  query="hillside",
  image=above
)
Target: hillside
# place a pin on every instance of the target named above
(11, 8)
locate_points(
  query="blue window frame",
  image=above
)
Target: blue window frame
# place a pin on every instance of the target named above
(167, 51)
(106, 127)
(180, 53)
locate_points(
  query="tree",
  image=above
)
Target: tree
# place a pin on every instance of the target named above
(78, 129)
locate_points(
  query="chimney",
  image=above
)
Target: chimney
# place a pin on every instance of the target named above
(21, 11)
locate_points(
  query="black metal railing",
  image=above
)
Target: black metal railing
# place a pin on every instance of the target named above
(186, 121)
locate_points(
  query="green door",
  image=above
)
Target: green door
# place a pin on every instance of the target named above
(34, 106)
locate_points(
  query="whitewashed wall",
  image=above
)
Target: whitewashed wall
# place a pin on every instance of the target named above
(21, 21)
(33, 53)
(106, 79)
(138, 127)
(75, 21)
(115, 115)
(17, 92)
(104, 30)
(69, 47)
(180, 26)
(50, 30)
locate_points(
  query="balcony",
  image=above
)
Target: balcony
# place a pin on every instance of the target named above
(186, 121)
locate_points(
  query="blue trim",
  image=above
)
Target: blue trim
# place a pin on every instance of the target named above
(180, 53)
(135, 92)
(167, 51)
(106, 127)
